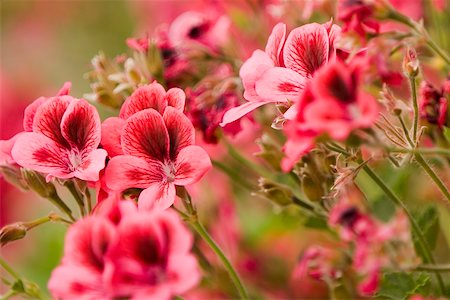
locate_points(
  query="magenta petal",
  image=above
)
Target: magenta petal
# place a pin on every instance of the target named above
(111, 135)
(280, 85)
(275, 43)
(29, 113)
(145, 135)
(91, 165)
(47, 119)
(306, 49)
(40, 153)
(235, 113)
(191, 164)
(176, 98)
(80, 126)
(180, 129)
(158, 196)
(149, 96)
(125, 171)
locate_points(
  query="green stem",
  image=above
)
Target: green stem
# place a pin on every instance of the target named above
(419, 30)
(75, 193)
(412, 82)
(423, 243)
(424, 151)
(8, 269)
(57, 201)
(424, 164)
(232, 174)
(434, 268)
(200, 229)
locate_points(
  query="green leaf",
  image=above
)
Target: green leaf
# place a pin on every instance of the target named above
(316, 223)
(447, 133)
(428, 222)
(400, 285)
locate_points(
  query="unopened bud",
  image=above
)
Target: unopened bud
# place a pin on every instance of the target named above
(275, 192)
(12, 232)
(38, 183)
(270, 152)
(411, 63)
(13, 175)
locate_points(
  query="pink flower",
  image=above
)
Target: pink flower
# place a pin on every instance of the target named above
(433, 104)
(358, 16)
(159, 154)
(194, 27)
(148, 96)
(123, 253)
(64, 139)
(333, 104)
(280, 73)
(319, 263)
(138, 44)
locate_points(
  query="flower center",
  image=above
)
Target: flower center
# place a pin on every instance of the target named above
(169, 171)
(75, 160)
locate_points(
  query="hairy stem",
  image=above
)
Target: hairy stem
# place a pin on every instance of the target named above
(412, 82)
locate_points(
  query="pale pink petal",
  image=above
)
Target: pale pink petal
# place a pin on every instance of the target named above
(125, 171)
(149, 96)
(65, 89)
(180, 129)
(275, 43)
(111, 135)
(176, 98)
(291, 113)
(180, 240)
(91, 165)
(251, 70)
(152, 293)
(29, 113)
(219, 33)
(191, 164)
(145, 135)
(49, 114)
(185, 271)
(158, 196)
(40, 153)
(238, 112)
(306, 49)
(295, 148)
(81, 127)
(280, 85)
(6, 148)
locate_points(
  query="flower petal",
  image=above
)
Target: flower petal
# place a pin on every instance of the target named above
(91, 165)
(235, 113)
(47, 119)
(145, 135)
(125, 171)
(158, 196)
(111, 135)
(149, 96)
(251, 70)
(80, 126)
(275, 43)
(176, 98)
(42, 154)
(191, 164)
(306, 49)
(280, 84)
(29, 113)
(180, 129)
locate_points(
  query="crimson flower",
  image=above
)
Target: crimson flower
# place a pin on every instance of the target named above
(158, 154)
(62, 137)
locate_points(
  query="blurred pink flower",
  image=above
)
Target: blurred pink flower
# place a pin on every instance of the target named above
(280, 73)
(123, 253)
(333, 103)
(64, 139)
(159, 154)
(433, 103)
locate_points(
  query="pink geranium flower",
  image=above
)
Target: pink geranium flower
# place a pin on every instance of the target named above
(280, 73)
(63, 141)
(159, 154)
(122, 253)
(333, 103)
(148, 96)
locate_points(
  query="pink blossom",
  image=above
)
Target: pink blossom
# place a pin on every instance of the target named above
(120, 252)
(280, 73)
(148, 96)
(319, 263)
(433, 103)
(138, 44)
(158, 154)
(333, 103)
(64, 139)
(194, 27)
(358, 17)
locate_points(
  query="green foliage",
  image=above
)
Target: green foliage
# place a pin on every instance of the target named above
(428, 221)
(400, 285)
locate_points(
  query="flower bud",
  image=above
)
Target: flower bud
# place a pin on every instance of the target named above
(411, 63)
(270, 152)
(12, 232)
(275, 192)
(38, 183)
(12, 175)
